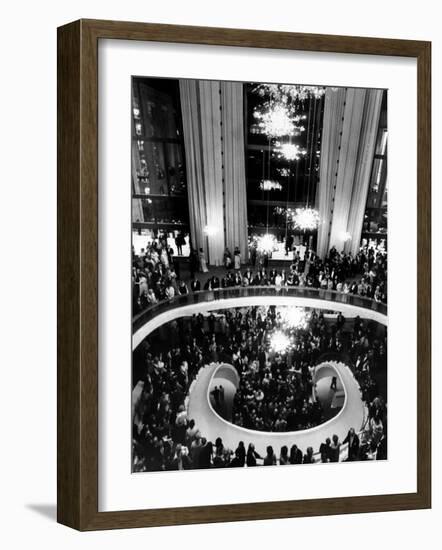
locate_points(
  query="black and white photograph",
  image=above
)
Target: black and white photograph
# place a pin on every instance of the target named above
(258, 274)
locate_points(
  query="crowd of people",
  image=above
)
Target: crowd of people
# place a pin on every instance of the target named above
(275, 392)
(156, 273)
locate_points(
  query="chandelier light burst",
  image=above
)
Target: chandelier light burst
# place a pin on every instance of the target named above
(276, 122)
(304, 218)
(290, 151)
(279, 112)
(289, 92)
(284, 172)
(294, 317)
(266, 243)
(270, 185)
(279, 341)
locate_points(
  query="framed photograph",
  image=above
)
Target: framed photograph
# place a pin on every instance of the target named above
(243, 275)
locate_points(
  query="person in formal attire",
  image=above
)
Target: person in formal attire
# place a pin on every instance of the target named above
(240, 454)
(324, 450)
(335, 448)
(182, 288)
(170, 291)
(195, 285)
(382, 448)
(252, 455)
(295, 455)
(193, 262)
(203, 262)
(252, 250)
(195, 448)
(205, 455)
(308, 457)
(181, 425)
(270, 458)
(353, 445)
(179, 242)
(237, 258)
(227, 258)
(284, 456)
(376, 429)
(216, 396)
(181, 460)
(288, 244)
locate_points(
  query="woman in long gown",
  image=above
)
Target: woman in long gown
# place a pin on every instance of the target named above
(203, 263)
(237, 258)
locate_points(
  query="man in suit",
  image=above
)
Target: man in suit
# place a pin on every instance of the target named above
(216, 396)
(295, 455)
(324, 450)
(353, 445)
(195, 285)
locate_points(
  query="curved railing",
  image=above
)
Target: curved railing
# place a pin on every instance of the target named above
(251, 291)
(212, 424)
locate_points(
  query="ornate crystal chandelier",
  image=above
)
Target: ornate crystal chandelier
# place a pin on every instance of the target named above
(284, 172)
(277, 121)
(290, 151)
(279, 341)
(289, 92)
(294, 317)
(270, 185)
(266, 243)
(304, 218)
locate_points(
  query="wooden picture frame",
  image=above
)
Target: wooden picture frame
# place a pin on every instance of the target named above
(78, 274)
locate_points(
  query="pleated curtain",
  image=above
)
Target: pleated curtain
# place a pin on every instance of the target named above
(235, 199)
(212, 166)
(367, 144)
(334, 105)
(351, 119)
(348, 156)
(189, 93)
(212, 113)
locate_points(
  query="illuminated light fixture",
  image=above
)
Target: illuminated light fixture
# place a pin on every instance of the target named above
(305, 218)
(266, 243)
(147, 190)
(210, 230)
(270, 185)
(286, 92)
(279, 341)
(290, 151)
(294, 317)
(277, 121)
(346, 236)
(285, 172)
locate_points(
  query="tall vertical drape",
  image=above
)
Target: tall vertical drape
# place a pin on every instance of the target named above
(351, 119)
(235, 198)
(189, 93)
(334, 105)
(367, 144)
(212, 114)
(212, 166)
(348, 156)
